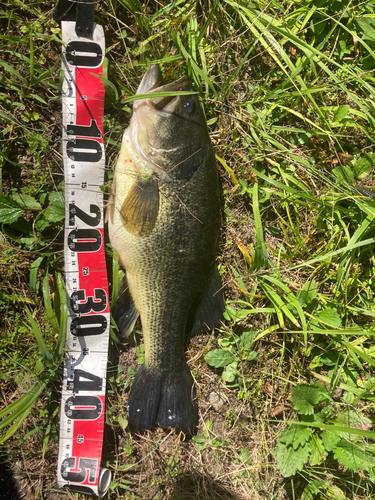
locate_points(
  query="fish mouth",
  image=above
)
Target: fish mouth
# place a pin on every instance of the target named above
(143, 109)
(151, 84)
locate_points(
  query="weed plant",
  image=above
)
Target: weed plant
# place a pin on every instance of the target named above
(286, 382)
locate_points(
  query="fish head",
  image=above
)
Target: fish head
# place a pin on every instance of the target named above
(170, 132)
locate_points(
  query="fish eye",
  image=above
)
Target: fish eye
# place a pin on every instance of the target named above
(189, 106)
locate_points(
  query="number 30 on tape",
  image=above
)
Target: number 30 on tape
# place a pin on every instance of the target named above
(84, 380)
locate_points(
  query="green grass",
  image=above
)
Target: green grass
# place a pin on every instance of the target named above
(286, 382)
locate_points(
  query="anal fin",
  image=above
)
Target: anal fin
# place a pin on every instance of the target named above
(124, 311)
(210, 309)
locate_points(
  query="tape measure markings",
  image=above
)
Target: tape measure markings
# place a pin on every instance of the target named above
(84, 378)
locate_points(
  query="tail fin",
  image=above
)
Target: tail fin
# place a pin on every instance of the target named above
(162, 398)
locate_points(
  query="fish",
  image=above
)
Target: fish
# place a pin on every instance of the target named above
(164, 222)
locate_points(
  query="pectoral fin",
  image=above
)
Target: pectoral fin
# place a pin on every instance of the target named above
(140, 208)
(210, 308)
(110, 212)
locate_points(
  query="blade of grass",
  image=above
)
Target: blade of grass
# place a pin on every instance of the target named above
(63, 318)
(115, 277)
(260, 256)
(293, 300)
(21, 413)
(33, 281)
(228, 169)
(137, 97)
(50, 313)
(47, 358)
(279, 303)
(328, 255)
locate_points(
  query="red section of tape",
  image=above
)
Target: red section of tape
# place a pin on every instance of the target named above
(88, 440)
(90, 97)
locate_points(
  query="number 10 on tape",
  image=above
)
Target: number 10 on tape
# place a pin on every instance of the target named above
(84, 379)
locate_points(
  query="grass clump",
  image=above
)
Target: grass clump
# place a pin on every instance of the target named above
(286, 383)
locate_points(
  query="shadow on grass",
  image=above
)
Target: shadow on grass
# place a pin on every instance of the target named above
(8, 489)
(196, 486)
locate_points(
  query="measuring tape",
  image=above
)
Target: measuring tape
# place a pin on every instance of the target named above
(84, 379)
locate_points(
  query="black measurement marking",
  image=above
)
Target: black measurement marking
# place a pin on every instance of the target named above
(86, 465)
(84, 54)
(85, 381)
(91, 150)
(86, 131)
(90, 220)
(85, 240)
(89, 305)
(83, 407)
(85, 326)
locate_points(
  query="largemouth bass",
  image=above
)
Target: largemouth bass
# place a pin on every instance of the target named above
(164, 223)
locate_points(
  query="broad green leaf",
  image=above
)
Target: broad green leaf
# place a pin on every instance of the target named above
(340, 113)
(123, 422)
(27, 202)
(335, 493)
(246, 340)
(207, 428)
(367, 27)
(313, 487)
(42, 224)
(289, 460)
(344, 173)
(56, 198)
(54, 213)
(328, 317)
(308, 292)
(245, 456)
(295, 436)
(353, 456)
(230, 372)
(216, 442)
(306, 397)
(200, 442)
(10, 211)
(363, 165)
(318, 451)
(350, 418)
(219, 358)
(329, 358)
